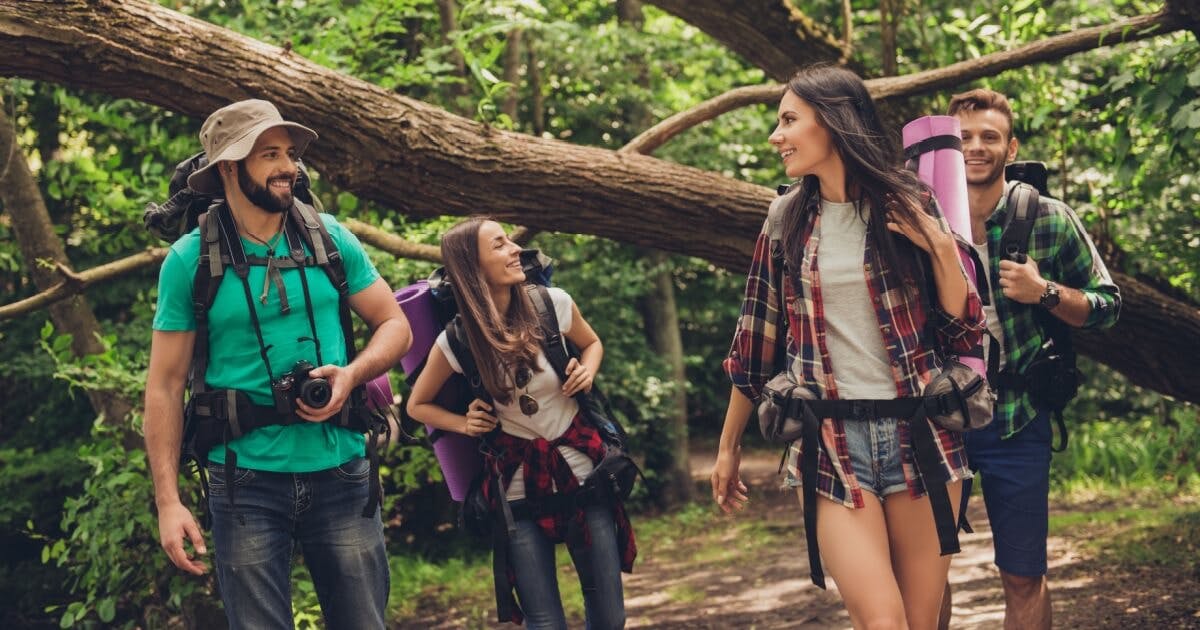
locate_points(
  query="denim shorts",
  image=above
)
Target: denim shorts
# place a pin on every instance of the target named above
(875, 455)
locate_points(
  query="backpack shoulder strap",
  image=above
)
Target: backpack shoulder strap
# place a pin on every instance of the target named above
(552, 340)
(210, 269)
(313, 232)
(456, 334)
(1023, 208)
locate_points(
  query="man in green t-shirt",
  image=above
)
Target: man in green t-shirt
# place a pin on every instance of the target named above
(303, 481)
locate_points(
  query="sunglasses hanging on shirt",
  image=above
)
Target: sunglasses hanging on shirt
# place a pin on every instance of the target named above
(528, 404)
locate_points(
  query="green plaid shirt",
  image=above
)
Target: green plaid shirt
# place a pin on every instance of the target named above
(1066, 255)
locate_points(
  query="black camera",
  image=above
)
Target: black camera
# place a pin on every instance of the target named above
(315, 392)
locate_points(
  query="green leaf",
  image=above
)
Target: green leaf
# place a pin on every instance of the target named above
(68, 620)
(107, 609)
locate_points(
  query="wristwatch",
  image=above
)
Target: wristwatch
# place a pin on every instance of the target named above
(1050, 297)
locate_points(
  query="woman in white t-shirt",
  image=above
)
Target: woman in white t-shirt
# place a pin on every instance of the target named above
(543, 448)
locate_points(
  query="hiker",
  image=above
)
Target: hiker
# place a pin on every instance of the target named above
(543, 450)
(282, 440)
(1062, 278)
(864, 336)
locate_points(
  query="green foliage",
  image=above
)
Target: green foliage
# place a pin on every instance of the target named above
(118, 574)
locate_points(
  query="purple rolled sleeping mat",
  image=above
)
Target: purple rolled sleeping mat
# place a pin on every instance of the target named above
(933, 149)
(457, 454)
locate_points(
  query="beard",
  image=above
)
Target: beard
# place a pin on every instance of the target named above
(262, 196)
(990, 177)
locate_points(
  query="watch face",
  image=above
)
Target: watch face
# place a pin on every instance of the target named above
(1050, 297)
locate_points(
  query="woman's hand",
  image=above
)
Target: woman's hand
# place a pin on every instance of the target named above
(479, 418)
(728, 490)
(579, 378)
(925, 231)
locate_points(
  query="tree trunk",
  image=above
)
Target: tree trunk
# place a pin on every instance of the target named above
(537, 105)
(38, 242)
(770, 34)
(423, 161)
(660, 316)
(448, 16)
(512, 74)
(889, 19)
(660, 319)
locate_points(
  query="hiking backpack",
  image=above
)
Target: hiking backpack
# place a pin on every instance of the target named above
(1052, 379)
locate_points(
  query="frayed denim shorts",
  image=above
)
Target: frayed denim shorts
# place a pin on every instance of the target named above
(874, 447)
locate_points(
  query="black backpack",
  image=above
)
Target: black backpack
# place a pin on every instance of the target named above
(1052, 379)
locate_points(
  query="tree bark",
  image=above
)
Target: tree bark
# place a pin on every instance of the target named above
(770, 34)
(425, 162)
(38, 242)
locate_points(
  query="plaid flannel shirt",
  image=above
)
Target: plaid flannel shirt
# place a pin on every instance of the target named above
(1065, 254)
(902, 315)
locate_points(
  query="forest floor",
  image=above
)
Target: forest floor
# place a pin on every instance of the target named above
(1113, 564)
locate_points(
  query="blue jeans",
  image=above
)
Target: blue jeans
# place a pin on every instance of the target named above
(322, 512)
(1016, 491)
(599, 568)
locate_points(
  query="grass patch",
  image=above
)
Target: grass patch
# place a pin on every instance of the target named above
(1153, 529)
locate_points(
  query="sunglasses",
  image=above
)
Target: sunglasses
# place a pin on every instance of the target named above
(527, 403)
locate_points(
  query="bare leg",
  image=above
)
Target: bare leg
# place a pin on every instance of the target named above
(854, 550)
(919, 568)
(1026, 602)
(944, 613)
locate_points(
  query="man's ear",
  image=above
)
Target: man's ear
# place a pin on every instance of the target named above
(1013, 144)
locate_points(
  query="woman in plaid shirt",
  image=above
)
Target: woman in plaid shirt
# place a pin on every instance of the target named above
(838, 297)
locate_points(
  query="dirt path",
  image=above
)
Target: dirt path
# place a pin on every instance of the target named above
(770, 588)
(740, 575)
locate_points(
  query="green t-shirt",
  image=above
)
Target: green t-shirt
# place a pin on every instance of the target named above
(234, 358)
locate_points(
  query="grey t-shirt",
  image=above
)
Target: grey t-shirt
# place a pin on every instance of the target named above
(861, 367)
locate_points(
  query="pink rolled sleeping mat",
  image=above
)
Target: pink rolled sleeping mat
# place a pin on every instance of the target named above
(457, 454)
(933, 149)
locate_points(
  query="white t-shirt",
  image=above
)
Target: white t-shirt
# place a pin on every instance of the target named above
(555, 411)
(989, 311)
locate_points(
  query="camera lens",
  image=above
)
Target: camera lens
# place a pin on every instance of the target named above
(316, 392)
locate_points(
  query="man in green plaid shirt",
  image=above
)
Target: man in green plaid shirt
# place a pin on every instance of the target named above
(1064, 276)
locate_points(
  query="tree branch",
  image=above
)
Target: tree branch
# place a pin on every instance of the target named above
(1050, 49)
(391, 243)
(74, 283)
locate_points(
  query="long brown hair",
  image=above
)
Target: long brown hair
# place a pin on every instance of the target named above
(499, 343)
(872, 160)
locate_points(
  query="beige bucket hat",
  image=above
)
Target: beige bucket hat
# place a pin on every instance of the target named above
(230, 133)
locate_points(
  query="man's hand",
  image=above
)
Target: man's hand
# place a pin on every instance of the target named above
(175, 523)
(1021, 282)
(341, 383)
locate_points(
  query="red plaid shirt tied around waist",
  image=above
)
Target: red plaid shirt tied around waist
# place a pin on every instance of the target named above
(547, 474)
(902, 315)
